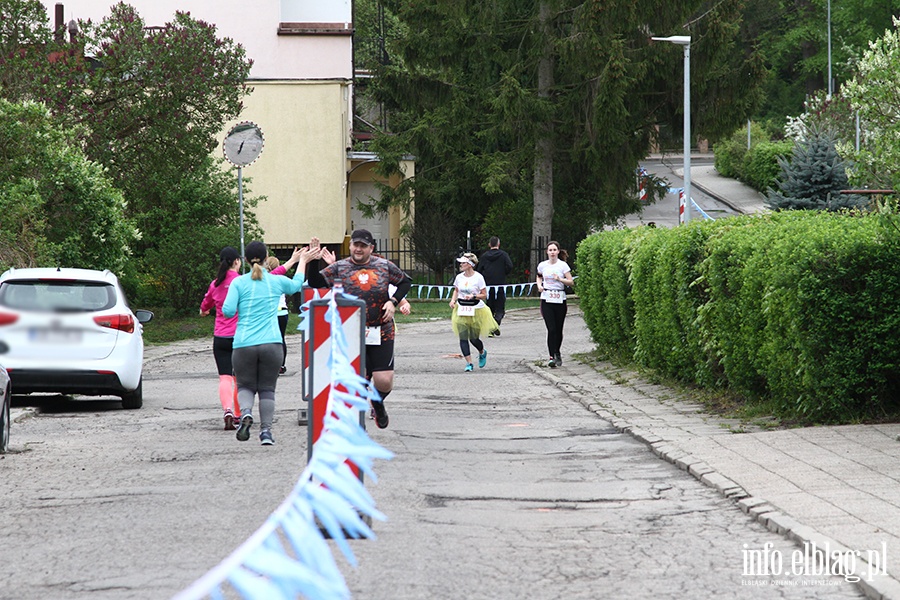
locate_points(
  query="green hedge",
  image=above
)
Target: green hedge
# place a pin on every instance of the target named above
(798, 308)
(761, 169)
(605, 292)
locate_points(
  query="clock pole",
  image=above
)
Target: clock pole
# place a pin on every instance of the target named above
(241, 205)
(242, 146)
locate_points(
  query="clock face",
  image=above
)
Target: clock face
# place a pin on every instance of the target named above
(243, 144)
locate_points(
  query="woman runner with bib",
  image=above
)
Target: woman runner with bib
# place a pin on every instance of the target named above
(471, 316)
(553, 275)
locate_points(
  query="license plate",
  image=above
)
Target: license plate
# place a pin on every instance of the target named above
(54, 336)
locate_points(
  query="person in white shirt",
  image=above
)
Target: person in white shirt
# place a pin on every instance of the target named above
(471, 316)
(553, 275)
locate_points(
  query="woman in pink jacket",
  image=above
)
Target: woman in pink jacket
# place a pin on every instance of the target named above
(223, 334)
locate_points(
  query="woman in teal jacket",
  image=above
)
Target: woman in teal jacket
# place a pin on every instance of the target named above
(258, 353)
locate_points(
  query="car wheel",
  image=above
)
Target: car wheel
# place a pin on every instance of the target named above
(4, 421)
(134, 399)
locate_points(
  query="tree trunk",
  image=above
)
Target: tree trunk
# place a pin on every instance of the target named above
(542, 218)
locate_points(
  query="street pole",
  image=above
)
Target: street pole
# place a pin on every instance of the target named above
(241, 207)
(830, 84)
(685, 41)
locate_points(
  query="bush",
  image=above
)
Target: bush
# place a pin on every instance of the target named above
(798, 309)
(604, 291)
(730, 152)
(761, 169)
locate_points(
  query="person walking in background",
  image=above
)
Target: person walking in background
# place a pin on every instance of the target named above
(369, 278)
(471, 316)
(553, 275)
(257, 351)
(494, 265)
(223, 332)
(274, 267)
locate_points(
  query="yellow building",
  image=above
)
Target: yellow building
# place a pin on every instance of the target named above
(303, 77)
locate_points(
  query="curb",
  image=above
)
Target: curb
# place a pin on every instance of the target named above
(719, 198)
(882, 587)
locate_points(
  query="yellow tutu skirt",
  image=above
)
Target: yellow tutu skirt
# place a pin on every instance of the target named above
(470, 328)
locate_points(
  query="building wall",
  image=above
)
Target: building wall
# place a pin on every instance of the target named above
(255, 26)
(303, 165)
(302, 75)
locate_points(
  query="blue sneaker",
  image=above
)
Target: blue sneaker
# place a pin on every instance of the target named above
(469, 367)
(265, 438)
(243, 434)
(482, 359)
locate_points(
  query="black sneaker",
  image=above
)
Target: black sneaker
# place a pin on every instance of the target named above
(381, 416)
(265, 438)
(558, 359)
(282, 370)
(496, 332)
(552, 363)
(243, 433)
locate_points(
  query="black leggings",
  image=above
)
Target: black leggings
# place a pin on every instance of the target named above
(222, 353)
(464, 346)
(554, 318)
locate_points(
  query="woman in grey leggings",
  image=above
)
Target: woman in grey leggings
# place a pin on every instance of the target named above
(258, 353)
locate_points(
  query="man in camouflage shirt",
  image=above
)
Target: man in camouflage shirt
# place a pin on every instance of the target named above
(367, 277)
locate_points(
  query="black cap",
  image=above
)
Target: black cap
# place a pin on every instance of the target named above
(256, 251)
(229, 255)
(362, 235)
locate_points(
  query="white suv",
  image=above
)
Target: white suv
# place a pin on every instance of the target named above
(70, 331)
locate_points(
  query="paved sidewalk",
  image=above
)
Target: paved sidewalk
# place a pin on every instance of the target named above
(835, 487)
(739, 196)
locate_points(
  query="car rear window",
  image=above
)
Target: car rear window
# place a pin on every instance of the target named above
(57, 295)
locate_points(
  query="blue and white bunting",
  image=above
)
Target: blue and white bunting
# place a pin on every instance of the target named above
(328, 495)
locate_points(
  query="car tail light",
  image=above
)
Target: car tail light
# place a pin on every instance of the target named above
(8, 318)
(121, 322)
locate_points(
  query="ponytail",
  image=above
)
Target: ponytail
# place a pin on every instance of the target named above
(257, 273)
(224, 267)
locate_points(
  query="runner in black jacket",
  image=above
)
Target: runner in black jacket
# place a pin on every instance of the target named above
(494, 265)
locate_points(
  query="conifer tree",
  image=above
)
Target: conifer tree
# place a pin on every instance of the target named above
(530, 117)
(813, 177)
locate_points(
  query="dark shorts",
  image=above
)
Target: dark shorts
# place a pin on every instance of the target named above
(380, 358)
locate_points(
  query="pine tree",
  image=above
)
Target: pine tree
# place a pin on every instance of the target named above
(814, 177)
(529, 117)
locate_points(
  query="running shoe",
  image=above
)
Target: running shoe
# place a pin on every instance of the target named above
(282, 370)
(552, 363)
(381, 416)
(482, 359)
(558, 359)
(229, 421)
(265, 438)
(469, 367)
(243, 434)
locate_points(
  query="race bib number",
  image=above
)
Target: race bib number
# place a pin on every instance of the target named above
(465, 311)
(553, 296)
(373, 336)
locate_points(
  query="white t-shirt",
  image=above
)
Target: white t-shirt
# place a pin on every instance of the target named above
(470, 286)
(551, 273)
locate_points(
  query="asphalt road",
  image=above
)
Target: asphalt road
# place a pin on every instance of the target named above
(664, 212)
(502, 487)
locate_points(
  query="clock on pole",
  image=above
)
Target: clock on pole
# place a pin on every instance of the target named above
(242, 146)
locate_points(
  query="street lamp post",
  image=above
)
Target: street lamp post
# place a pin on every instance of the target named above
(685, 41)
(830, 84)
